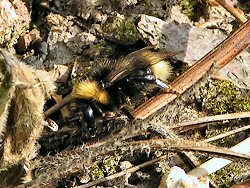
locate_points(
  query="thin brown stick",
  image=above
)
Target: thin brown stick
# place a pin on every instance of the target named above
(64, 110)
(219, 56)
(218, 151)
(210, 119)
(57, 106)
(178, 144)
(166, 133)
(122, 173)
(236, 12)
(227, 133)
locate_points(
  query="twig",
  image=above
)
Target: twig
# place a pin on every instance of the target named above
(227, 134)
(64, 110)
(219, 57)
(166, 133)
(57, 106)
(210, 119)
(178, 144)
(236, 12)
(218, 151)
(122, 173)
(215, 164)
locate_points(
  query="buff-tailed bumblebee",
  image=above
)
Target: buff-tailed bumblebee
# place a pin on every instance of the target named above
(106, 87)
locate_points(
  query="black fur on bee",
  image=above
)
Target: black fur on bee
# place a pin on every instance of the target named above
(106, 87)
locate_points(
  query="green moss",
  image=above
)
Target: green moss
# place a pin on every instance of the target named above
(192, 8)
(220, 128)
(230, 175)
(107, 167)
(96, 172)
(102, 49)
(224, 97)
(188, 7)
(110, 165)
(122, 30)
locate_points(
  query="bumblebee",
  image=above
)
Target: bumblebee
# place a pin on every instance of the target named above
(105, 88)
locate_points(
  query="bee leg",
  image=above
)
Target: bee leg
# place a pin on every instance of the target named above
(123, 106)
(166, 88)
(121, 97)
(106, 115)
(127, 111)
(151, 78)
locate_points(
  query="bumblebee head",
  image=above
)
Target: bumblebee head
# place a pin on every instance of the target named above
(90, 90)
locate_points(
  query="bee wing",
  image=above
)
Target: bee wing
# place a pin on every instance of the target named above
(139, 59)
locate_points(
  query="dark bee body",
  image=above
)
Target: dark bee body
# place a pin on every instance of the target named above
(105, 88)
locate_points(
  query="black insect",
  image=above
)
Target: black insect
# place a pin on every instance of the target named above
(105, 88)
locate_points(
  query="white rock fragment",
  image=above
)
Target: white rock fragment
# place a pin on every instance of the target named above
(177, 178)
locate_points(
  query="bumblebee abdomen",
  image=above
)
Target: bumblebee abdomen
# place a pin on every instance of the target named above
(163, 70)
